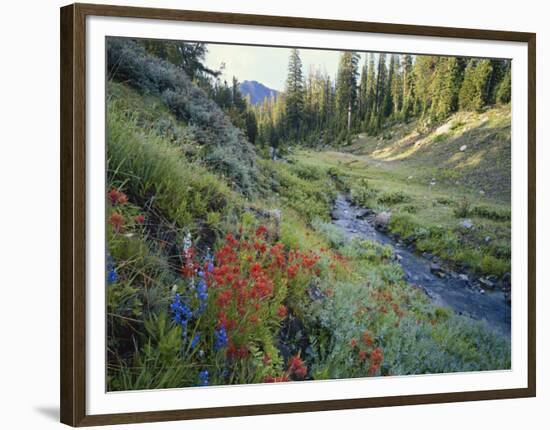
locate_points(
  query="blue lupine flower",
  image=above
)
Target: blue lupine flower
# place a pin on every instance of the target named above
(112, 276)
(209, 261)
(196, 340)
(220, 338)
(203, 378)
(181, 313)
(202, 293)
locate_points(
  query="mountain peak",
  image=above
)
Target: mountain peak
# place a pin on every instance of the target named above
(257, 91)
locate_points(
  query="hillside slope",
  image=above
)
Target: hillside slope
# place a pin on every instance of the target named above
(469, 149)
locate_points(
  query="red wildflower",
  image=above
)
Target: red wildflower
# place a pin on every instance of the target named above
(282, 311)
(376, 358)
(367, 339)
(117, 196)
(297, 367)
(261, 231)
(362, 355)
(353, 343)
(140, 219)
(270, 379)
(301, 372)
(260, 247)
(292, 271)
(117, 221)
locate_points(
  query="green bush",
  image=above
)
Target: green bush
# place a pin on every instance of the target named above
(393, 198)
(227, 147)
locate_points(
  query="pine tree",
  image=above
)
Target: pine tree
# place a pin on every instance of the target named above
(446, 85)
(387, 104)
(397, 88)
(294, 97)
(504, 88)
(363, 90)
(423, 72)
(474, 93)
(236, 97)
(371, 91)
(408, 87)
(346, 87)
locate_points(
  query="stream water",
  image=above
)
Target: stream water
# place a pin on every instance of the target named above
(451, 291)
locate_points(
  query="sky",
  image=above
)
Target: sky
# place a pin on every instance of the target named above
(267, 65)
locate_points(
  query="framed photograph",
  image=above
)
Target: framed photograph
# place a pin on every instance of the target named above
(265, 215)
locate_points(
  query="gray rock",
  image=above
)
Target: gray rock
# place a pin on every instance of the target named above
(466, 223)
(463, 277)
(437, 270)
(486, 283)
(463, 148)
(382, 219)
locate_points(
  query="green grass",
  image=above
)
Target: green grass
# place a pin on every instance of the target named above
(155, 159)
(422, 193)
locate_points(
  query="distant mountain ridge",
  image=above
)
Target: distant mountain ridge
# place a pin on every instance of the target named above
(257, 91)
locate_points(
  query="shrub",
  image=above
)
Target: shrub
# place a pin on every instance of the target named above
(362, 194)
(490, 213)
(130, 63)
(463, 208)
(394, 198)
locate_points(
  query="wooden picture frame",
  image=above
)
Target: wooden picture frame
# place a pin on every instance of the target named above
(73, 212)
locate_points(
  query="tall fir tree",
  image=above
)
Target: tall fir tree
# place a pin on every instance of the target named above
(363, 90)
(475, 91)
(346, 87)
(294, 94)
(397, 87)
(408, 86)
(446, 85)
(371, 92)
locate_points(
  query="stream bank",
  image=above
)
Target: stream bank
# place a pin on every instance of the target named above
(445, 289)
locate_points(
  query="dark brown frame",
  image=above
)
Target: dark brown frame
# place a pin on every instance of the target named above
(73, 213)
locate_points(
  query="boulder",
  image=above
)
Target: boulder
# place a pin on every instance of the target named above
(382, 219)
(466, 223)
(436, 269)
(486, 283)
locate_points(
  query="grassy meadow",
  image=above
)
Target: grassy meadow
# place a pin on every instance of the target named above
(224, 265)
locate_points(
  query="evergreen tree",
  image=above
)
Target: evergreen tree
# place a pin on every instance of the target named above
(474, 93)
(294, 97)
(236, 97)
(408, 86)
(346, 87)
(504, 88)
(363, 90)
(423, 72)
(446, 85)
(371, 91)
(189, 56)
(387, 104)
(397, 88)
